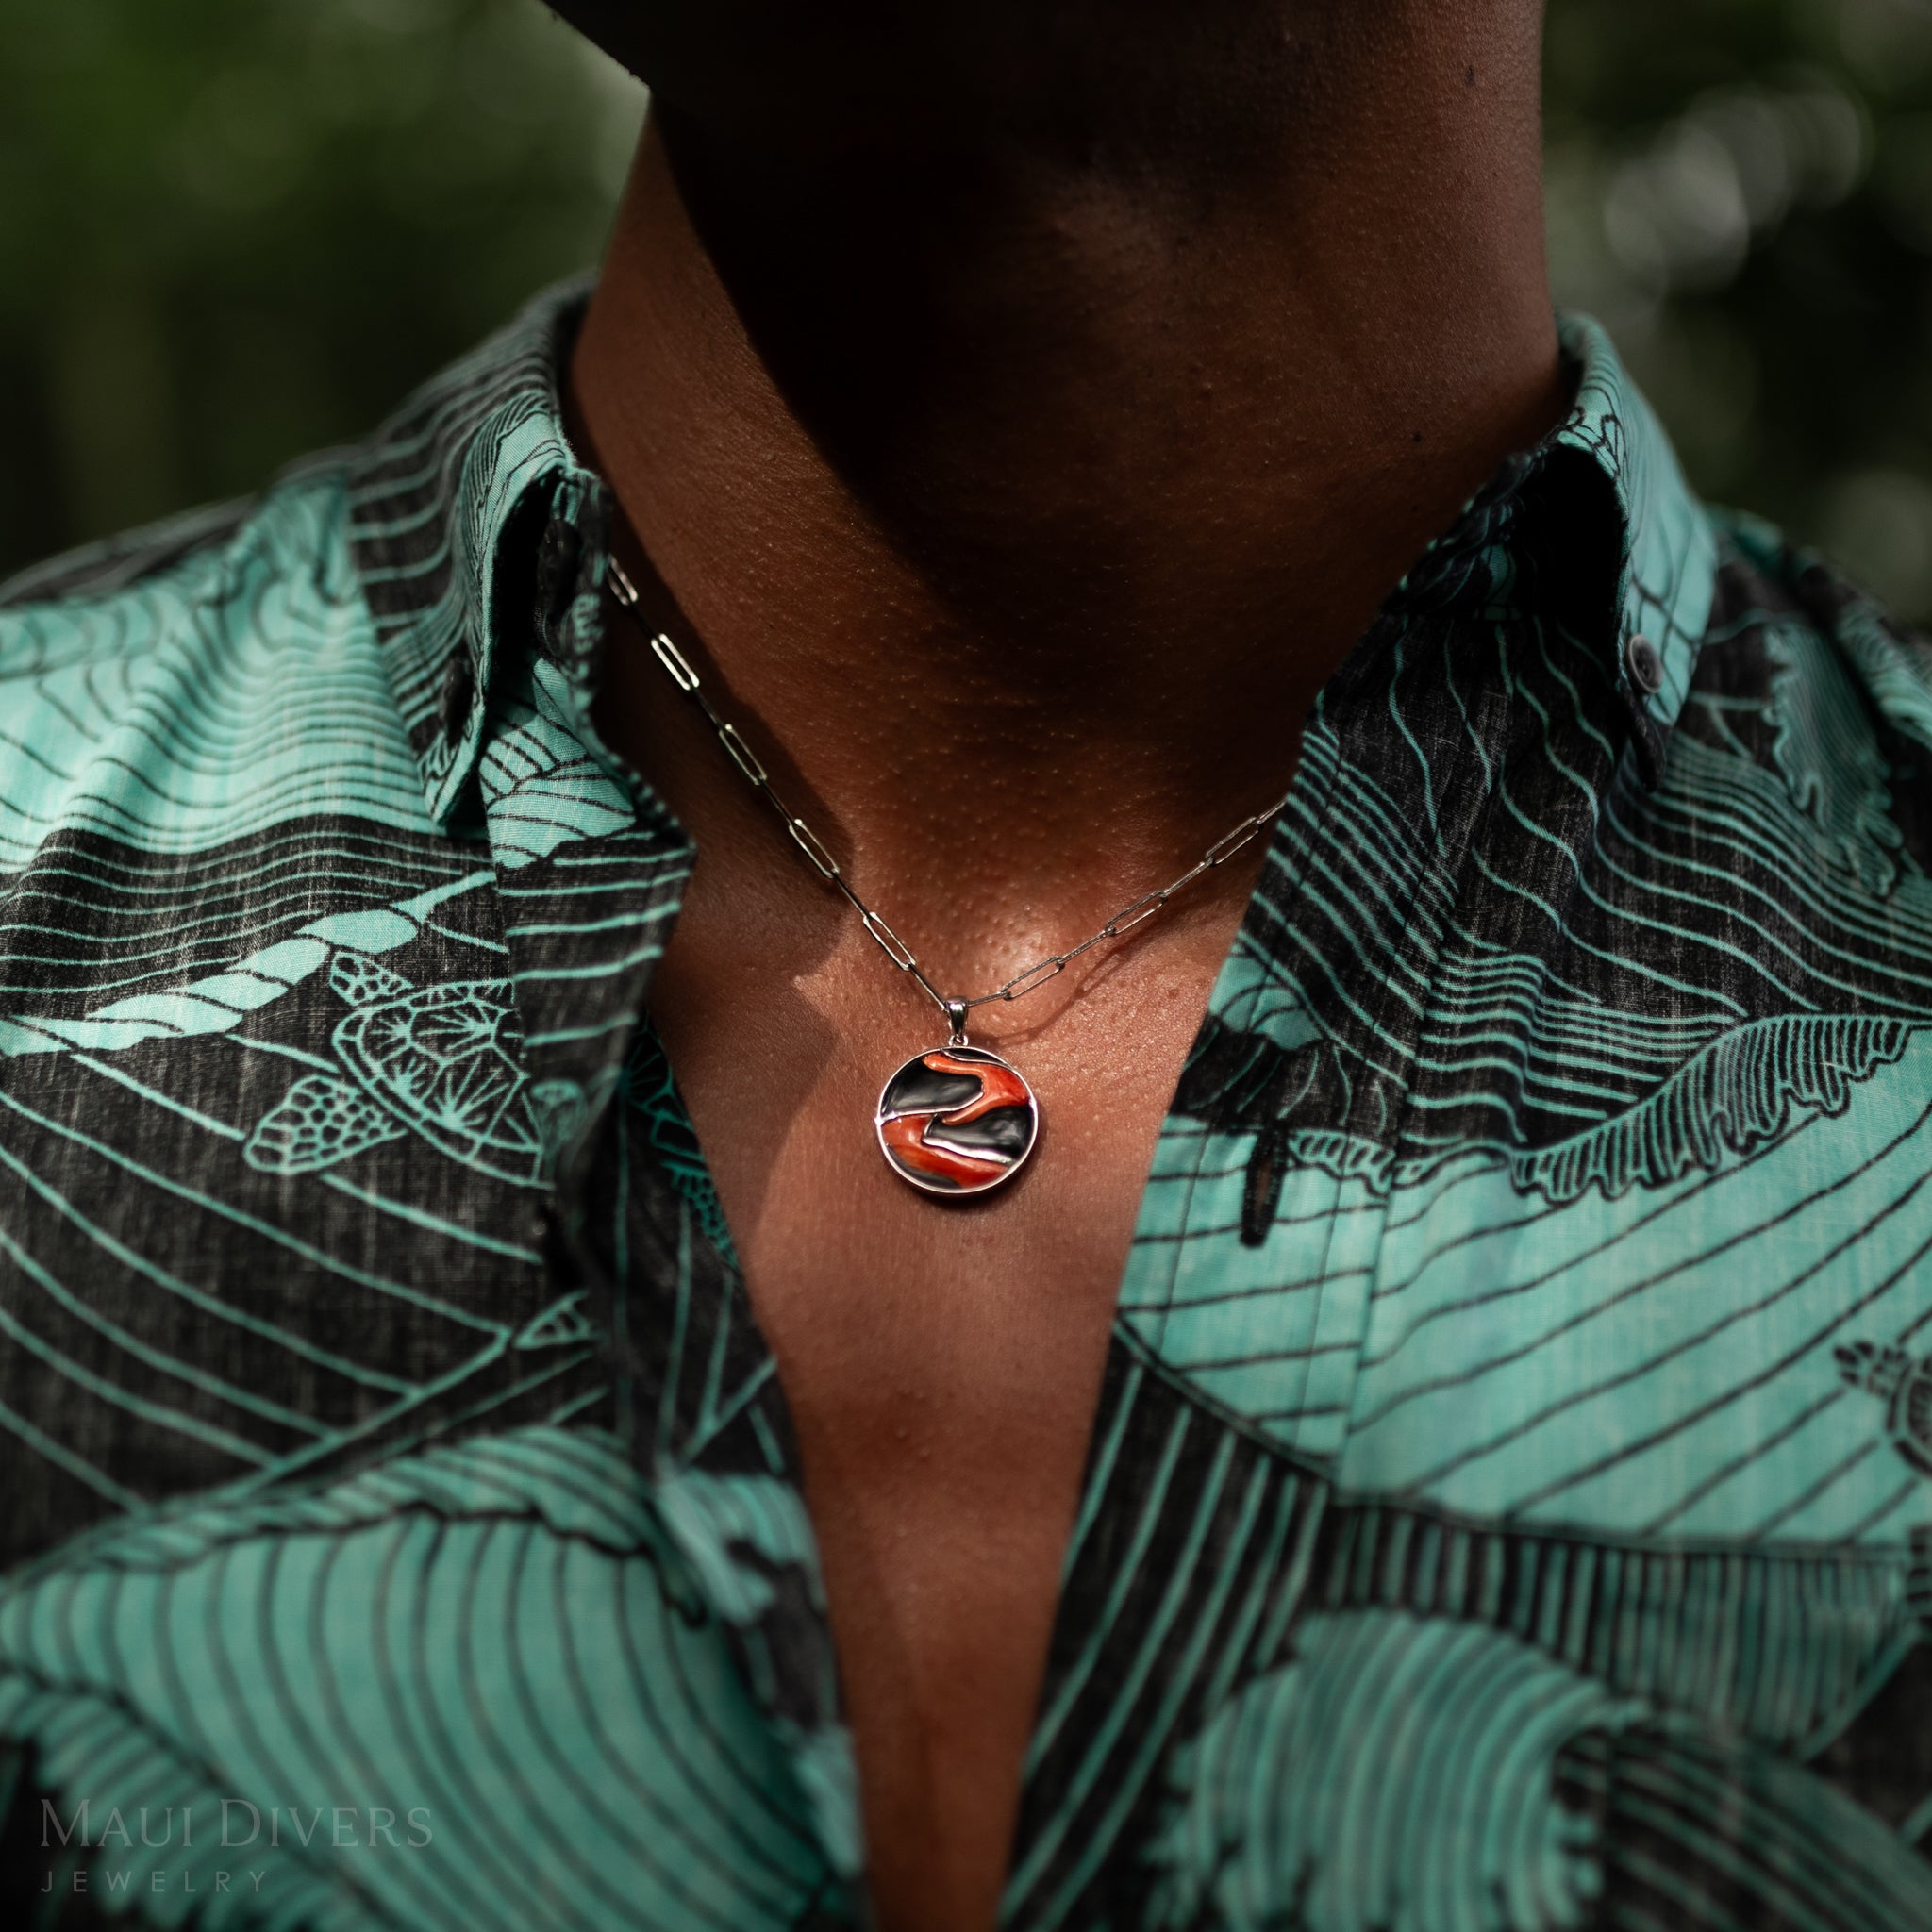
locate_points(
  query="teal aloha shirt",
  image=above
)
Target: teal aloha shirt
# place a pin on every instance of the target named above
(1508, 1506)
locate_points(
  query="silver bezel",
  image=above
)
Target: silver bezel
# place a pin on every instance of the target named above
(925, 1186)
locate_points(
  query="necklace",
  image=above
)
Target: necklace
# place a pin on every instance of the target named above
(954, 1120)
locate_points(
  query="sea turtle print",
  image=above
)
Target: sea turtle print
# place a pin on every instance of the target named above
(441, 1061)
(1904, 1384)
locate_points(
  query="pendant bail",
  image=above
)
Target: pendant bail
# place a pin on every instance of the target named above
(956, 1018)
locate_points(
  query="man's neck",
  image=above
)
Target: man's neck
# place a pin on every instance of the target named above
(1008, 475)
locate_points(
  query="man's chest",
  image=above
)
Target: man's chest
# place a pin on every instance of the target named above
(940, 1361)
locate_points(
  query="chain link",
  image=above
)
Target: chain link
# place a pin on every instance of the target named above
(678, 668)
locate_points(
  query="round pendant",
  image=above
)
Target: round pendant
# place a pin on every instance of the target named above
(956, 1121)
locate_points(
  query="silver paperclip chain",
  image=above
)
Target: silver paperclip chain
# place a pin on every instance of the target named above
(678, 668)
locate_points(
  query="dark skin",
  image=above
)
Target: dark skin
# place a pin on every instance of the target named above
(1026, 428)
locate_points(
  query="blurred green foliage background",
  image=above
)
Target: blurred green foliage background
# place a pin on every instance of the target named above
(233, 231)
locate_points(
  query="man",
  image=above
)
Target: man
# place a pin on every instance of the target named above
(1476, 1481)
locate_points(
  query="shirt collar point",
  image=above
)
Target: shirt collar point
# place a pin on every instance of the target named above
(1667, 574)
(438, 496)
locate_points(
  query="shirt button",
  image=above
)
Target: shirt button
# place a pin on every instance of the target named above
(459, 689)
(1645, 668)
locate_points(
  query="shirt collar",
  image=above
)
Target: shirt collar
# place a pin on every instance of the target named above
(472, 476)
(475, 475)
(1667, 545)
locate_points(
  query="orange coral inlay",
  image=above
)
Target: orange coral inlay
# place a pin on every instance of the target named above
(906, 1136)
(998, 1087)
